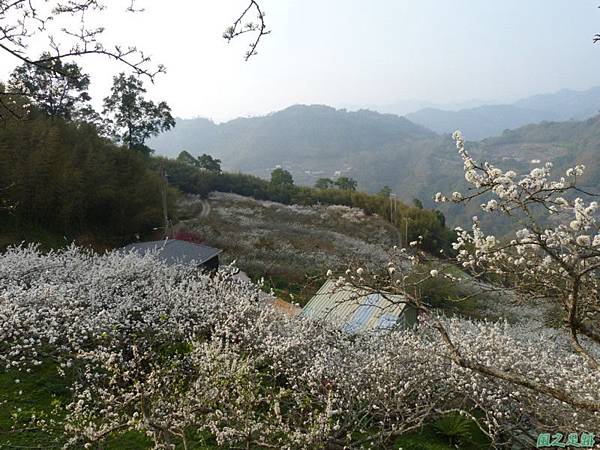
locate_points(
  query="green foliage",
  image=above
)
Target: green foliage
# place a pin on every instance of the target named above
(135, 119)
(209, 163)
(186, 158)
(44, 392)
(57, 89)
(455, 428)
(385, 191)
(65, 179)
(39, 393)
(346, 184)
(281, 177)
(447, 433)
(324, 183)
(441, 217)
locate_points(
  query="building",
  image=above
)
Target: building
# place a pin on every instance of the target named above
(173, 251)
(356, 311)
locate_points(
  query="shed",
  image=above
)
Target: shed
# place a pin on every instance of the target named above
(355, 310)
(173, 251)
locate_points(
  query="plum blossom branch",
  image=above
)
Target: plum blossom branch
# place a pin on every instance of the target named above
(241, 26)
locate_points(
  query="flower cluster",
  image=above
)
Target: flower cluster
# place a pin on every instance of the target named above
(554, 255)
(165, 350)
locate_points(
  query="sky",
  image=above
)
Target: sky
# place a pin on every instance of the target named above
(389, 55)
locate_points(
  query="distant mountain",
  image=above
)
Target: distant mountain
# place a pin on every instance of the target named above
(565, 104)
(481, 122)
(404, 107)
(565, 144)
(311, 141)
(491, 120)
(382, 149)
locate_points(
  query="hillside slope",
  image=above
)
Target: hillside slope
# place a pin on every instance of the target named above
(378, 150)
(566, 104)
(311, 141)
(564, 144)
(425, 167)
(289, 244)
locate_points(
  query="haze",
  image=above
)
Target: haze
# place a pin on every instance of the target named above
(388, 55)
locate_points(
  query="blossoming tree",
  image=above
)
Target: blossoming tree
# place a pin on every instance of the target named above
(553, 258)
(175, 355)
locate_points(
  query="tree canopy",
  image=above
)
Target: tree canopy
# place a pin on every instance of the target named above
(186, 157)
(64, 28)
(346, 184)
(324, 183)
(64, 180)
(134, 119)
(281, 177)
(58, 89)
(385, 191)
(209, 163)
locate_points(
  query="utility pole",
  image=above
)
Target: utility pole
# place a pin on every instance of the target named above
(163, 191)
(394, 216)
(393, 209)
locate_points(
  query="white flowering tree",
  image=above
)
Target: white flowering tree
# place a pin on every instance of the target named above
(177, 356)
(553, 260)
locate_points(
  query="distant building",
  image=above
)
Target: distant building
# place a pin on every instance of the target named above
(173, 251)
(356, 311)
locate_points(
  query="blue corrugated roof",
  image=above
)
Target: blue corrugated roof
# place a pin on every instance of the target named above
(174, 251)
(356, 310)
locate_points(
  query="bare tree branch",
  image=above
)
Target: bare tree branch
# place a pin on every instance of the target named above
(241, 26)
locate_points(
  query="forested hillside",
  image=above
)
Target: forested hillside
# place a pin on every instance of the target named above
(310, 141)
(564, 144)
(376, 150)
(414, 222)
(566, 104)
(61, 182)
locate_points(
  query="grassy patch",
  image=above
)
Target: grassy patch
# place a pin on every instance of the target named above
(41, 393)
(300, 291)
(44, 392)
(448, 433)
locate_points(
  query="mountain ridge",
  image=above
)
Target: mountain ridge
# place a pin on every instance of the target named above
(489, 120)
(289, 136)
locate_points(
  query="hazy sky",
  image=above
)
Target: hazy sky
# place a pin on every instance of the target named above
(357, 53)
